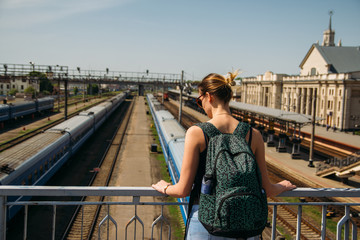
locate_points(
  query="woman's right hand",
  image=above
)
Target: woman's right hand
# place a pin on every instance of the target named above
(280, 187)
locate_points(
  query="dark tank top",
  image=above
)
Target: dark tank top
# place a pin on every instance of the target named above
(199, 175)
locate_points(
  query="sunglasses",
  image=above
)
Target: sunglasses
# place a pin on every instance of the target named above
(199, 101)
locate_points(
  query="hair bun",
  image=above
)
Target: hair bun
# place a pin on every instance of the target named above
(230, 78)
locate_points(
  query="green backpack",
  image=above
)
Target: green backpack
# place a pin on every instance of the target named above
(232, 201)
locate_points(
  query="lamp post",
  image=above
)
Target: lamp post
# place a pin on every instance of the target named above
(311, 154)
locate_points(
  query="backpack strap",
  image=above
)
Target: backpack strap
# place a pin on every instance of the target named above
(208, 129)
(250, 137)
(242, 129)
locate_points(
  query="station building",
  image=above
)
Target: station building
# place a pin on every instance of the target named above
(329, 74)
(20, 83)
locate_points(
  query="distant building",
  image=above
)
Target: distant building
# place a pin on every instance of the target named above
(19, 83)
(329, 72)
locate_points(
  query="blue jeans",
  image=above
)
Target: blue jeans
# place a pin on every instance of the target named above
(196, 231)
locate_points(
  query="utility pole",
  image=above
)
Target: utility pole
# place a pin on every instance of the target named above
(163, 90)
(66, 94)
(58, 100)
(181, 88)
(311, 154)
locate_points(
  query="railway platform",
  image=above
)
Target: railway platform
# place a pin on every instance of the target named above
(299, 167)
(134, 168)
(343, 137)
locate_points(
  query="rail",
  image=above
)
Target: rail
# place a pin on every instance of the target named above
(137, 192)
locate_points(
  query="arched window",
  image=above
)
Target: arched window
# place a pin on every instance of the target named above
(313, 72)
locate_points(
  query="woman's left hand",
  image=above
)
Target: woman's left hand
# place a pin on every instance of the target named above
(160, 186)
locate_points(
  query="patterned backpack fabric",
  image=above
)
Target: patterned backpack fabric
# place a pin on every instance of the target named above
(232, 202)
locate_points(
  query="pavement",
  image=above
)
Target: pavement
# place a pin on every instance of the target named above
(343, 137)
(134, 169)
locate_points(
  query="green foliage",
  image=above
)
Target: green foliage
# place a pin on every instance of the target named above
(93, 89)
(41, 78)
(13, 91)
(45, 92)
(76, 90)
(29, 90)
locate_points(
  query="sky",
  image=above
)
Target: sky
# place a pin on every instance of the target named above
(196, 36)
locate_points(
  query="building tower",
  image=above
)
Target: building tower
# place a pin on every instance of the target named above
(329, 35)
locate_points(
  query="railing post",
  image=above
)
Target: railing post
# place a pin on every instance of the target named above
(273, 228)
(298, 227)
(347, 223)
(3, 217)
(25, 221)
(323, 222)
(54, 222)
(344, 220)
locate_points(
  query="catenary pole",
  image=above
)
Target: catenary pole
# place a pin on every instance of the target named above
(181, 88)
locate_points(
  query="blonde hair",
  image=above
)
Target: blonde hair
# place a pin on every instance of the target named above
(219, 85)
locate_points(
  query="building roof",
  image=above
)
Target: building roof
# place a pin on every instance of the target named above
(341, 59)
(278, 114)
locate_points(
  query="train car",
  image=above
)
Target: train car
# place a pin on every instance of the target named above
(22, 109)
(34, 161)
(43, 104)
(4, 112)
(172, 140)
(166, 96)
(12, 111)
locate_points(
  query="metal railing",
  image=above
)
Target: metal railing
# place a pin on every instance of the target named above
(137, 192)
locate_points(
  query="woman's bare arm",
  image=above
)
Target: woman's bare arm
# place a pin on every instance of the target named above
(259, 151)
(193, 140)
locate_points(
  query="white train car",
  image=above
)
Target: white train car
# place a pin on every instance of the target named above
(172, 139)
(34, 161)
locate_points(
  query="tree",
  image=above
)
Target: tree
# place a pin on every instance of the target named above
(76, 90)
(13, 92)
(93, 89)
(30, 90)
(45, 84)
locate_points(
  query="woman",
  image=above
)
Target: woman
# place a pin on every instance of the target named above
(215, 94)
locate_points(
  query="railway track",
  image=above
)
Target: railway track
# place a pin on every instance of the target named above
(187, 119)
(286, 216)
(85, 220)
(12, 142)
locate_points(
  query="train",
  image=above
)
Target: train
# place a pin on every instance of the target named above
(36, 160)
(13, 111)
(172, 140)
(161, 95)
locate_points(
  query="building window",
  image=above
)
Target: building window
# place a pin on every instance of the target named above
(13, 86)
(330, 105)
(1, 86)
(22, 87)
(339, 106)
(7, 86)
(340, 92)
(313, 72)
